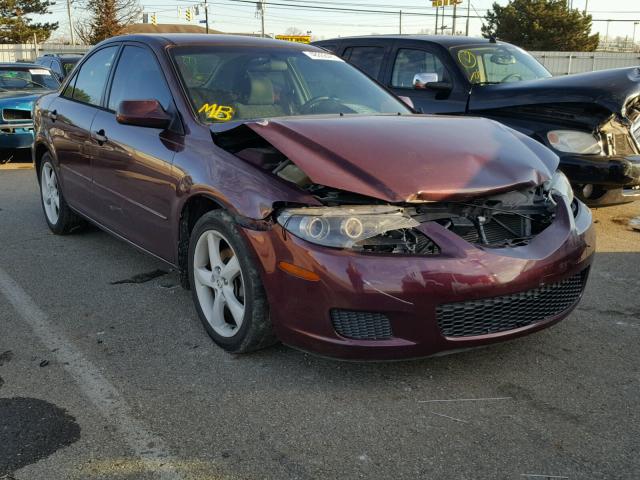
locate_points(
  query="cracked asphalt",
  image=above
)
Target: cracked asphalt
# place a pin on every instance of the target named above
(106, 373)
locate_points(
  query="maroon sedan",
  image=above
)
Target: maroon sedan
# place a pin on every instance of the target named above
(302, 202)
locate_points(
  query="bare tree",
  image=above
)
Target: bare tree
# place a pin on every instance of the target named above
(293, 31)
(106, 19)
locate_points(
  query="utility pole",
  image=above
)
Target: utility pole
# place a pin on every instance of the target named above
(206, 17)
(453, 27)
(633, 41)
(468, 17)
(400, 24)
(73, 37)
(442, 22)
(437, 10)
(586, 6)
(262, 5)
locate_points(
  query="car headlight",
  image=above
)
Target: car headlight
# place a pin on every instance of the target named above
(559, 185)
(343, 227)
(573, 141)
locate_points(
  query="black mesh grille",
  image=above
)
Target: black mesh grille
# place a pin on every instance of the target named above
(498, 314)
(361, 325)
(16, 114)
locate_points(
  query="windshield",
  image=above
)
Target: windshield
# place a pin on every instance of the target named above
(484, 64)
(241, 83)
(27, 79)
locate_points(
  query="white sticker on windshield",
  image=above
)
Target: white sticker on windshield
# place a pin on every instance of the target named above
(39, 71)
(323, 56)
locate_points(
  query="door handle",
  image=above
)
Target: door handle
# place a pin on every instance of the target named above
(53, 115)
(99, 136)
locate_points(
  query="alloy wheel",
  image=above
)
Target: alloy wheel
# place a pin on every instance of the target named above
(50, 193)
(219, 283)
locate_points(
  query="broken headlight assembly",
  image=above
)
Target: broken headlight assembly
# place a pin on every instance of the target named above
(573, 141)
(559, 185)
(348, 226)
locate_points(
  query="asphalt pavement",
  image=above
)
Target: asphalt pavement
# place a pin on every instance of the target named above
(107, 373)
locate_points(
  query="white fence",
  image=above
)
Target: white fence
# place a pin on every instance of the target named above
(27, 52)
(566, 63)
(558, 63)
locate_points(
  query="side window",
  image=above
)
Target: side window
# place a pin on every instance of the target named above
(138, 77)
(92, 77)
(410, 62)
(55, 66)
(68, 90)
(331, 47)
(367, 59)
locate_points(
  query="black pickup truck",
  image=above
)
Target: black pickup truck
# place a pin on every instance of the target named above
(591, 120)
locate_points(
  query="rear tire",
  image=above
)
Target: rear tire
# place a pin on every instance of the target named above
(227, 289)
(60, 218)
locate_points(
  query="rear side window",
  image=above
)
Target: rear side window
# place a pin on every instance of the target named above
(138, 77)
(367, 59)
(330, 47)
(92, 77)
(410, 62)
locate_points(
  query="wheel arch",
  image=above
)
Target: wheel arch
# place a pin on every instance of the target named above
(192, 210)
(39, 150)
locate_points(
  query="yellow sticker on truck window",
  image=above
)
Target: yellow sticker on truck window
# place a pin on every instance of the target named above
(222, 113)
(467, 58)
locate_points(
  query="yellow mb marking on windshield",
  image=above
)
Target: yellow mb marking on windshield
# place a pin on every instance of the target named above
(222, 113)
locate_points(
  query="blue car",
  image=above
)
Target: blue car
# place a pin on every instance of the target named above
(20, 85)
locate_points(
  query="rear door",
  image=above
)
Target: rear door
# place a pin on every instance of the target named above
(368, 57)
(131, 164)
(71, 115)
(411, 58)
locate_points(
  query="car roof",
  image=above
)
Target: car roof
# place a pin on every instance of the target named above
(62, 55)
(21, 65)
(444, 40)
(178, 39)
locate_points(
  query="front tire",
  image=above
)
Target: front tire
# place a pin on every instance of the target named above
(60, 218)
(227, 289)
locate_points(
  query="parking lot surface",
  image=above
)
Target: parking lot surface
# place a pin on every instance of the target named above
(106, 372)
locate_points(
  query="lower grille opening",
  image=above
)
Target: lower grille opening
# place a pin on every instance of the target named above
(16, 114)
(508, 312)
(361, 325)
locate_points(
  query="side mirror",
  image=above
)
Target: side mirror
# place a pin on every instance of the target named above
(143, 113)
(407, 101)
(423, 81)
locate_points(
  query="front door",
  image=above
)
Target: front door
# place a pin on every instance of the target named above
(131, 164)
(411, 60)
(70, 131)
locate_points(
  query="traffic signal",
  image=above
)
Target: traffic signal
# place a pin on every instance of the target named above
(154, 19)
(188, 15)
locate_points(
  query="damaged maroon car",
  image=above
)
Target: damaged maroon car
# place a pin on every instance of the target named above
(302, 202)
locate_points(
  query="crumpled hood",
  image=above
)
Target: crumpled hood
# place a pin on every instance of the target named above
(410, 157)
(611, 89)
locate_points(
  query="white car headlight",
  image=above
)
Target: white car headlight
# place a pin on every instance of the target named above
(559, 185)
(343, 227)
(573, 141)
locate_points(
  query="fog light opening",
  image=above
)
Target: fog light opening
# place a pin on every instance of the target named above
(587, 190)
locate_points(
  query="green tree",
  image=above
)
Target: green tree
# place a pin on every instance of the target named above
(107, 18)
(541, 25)
(17, 27)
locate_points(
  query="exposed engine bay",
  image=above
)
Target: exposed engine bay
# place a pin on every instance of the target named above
(506, 220)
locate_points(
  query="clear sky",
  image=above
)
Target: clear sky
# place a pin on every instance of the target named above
(240, 15)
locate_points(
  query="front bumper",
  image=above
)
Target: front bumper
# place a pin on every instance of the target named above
(408, 290)
(16, 136)
(615, 174)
